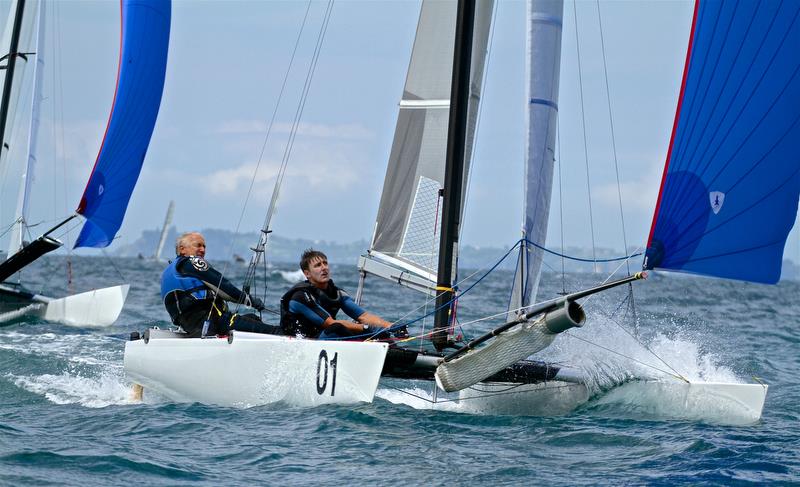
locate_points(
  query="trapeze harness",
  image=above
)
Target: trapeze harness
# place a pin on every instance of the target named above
(187, 298)
(317, 304)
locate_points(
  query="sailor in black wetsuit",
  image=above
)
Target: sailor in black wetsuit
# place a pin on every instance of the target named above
(193, 292)
(309, 308)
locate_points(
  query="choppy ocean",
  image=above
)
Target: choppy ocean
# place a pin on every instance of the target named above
(67, 417)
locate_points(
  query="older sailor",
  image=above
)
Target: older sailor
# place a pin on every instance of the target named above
(195, 294)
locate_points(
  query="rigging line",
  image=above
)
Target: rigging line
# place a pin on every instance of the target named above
(58, 112)
(580, 259)
(113, 264)
(298, 113)
(561, 210)
(589, 298)
(583, 128)
(613, 137)
(675, 373)
(635, 338)
(448, 303)
(282, 169)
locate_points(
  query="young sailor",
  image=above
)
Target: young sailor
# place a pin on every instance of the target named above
(194, 294)
(309, 308)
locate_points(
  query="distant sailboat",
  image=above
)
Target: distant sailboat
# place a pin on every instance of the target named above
(164, 231)
(145, 36)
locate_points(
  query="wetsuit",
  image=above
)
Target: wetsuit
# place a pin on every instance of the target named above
(191, 289)
(305, 307)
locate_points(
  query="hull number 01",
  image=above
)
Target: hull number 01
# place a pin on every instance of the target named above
(323, 367)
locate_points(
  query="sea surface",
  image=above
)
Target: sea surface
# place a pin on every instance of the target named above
(68, 417)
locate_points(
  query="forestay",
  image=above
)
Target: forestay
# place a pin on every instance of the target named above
(730, 188)
(140, 82)
(406, 231)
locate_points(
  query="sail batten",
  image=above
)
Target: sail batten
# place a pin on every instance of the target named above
(140, 83)
(731, 184)
(408, 224)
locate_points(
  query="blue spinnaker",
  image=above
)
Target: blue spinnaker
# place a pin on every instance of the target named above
(140, 83)
(731, 183)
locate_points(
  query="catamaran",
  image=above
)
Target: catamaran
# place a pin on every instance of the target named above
(140, 82)
(728, 199)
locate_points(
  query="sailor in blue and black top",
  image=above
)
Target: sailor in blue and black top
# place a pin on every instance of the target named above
(194, 292)
(309, 308)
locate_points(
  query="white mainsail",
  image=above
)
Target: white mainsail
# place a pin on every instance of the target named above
(543, 62)
(405, 244)
(18, 230)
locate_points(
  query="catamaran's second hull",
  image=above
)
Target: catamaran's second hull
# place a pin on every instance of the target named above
(250, 369)
(95, 309)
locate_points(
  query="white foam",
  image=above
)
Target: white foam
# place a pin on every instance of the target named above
(95, 392)
(292, 276)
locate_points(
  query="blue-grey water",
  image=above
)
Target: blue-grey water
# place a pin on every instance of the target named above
(68, 419)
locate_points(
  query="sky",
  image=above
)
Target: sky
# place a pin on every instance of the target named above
(227, 60)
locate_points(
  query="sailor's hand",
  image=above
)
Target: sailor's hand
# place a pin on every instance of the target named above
(255, 303)
(401, 332)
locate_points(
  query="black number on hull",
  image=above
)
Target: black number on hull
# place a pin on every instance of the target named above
(322, 371)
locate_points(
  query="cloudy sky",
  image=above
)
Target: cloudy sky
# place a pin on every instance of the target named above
(226, 64)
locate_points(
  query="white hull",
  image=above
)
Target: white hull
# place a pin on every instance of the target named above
(93, 309)
(715, 402)
(255, 369)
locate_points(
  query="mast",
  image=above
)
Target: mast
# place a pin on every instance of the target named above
(454, 169)
(542, 67)
(11, 61)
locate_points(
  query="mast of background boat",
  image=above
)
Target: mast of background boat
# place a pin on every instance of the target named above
(17, 234)
(11, 61)
(454, 169)
(163, 237)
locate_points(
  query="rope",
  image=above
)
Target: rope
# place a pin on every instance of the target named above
(251, 270)
(579, 259)
(583, 127)
(293, 133)
(613, 138)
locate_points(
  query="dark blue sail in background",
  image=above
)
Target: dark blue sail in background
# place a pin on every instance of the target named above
(731, 184)
(140, 83)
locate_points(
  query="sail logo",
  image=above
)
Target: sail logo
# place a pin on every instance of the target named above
(717, 198)
(100, 190)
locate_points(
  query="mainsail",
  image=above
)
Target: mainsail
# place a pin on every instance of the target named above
(140, 83)
(405, 244)
(731, 183)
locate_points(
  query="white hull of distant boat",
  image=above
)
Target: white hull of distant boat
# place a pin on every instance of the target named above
(97, 308)
(250, 369)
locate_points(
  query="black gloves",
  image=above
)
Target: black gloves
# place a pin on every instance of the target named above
(401, 332)
(255, 303)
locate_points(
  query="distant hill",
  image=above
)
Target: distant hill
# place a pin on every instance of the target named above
(223, 245)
